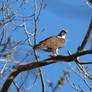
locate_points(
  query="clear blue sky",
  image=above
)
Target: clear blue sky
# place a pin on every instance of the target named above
(72, 15)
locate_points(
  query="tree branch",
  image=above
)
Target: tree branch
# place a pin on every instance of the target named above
(35, 19)
(86, 37)
(32, 65)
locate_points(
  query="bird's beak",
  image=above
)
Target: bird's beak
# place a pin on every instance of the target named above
(66, 31)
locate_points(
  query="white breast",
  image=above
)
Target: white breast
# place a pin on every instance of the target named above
(62, 36)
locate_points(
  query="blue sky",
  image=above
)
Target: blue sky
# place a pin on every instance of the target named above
(75, 17)
(72, 15)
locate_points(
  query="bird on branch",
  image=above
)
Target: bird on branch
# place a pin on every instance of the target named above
(53, 43)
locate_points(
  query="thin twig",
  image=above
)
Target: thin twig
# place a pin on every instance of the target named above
(40, 70)
(17, 87)
(27, 33)
(41, 3)
(83, 78)
(87, 3)
(72, 85)
(33, 83)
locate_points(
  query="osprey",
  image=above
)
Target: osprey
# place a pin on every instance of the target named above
(53, 43)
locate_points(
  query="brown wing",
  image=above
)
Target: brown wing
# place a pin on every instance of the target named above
(51, 43)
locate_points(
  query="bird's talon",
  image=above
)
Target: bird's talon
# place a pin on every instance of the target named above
(52, 56)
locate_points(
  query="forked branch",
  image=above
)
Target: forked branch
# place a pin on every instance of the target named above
(33, 65)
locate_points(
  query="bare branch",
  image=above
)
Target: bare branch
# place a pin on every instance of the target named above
(87, 3)
(72, 85)
(41, 2)
(27, 33)
(35, 33)
(30, 66)
(86, 37)
(17, 87)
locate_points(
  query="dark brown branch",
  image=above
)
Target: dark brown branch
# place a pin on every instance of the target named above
(30, 66)
(81, 48)
(77, 61)
(86, 37)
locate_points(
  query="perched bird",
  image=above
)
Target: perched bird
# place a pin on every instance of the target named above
(53, 43)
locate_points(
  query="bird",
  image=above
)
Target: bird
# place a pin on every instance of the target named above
(52, 43)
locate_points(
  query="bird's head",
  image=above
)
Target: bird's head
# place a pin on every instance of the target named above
(62, 33)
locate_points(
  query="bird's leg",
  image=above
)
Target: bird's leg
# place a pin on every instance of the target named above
(56, 51)
(53, 52)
